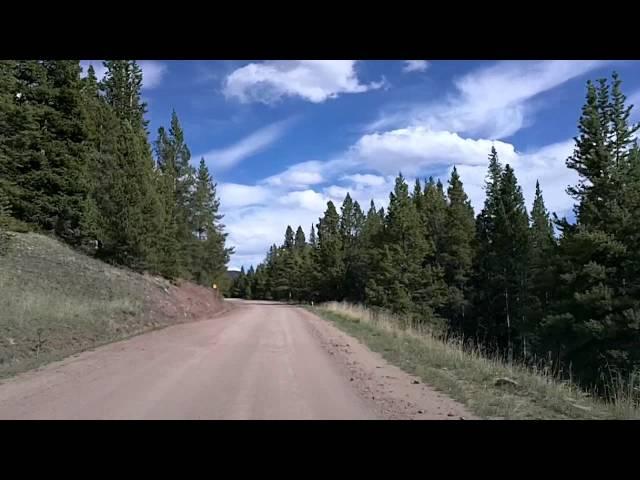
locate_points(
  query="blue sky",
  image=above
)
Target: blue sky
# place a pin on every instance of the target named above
(281, 138)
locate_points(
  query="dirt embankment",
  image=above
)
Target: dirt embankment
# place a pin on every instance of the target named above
(55, 302)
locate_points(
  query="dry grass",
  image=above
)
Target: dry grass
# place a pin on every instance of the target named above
(470, 377)
(55, 302)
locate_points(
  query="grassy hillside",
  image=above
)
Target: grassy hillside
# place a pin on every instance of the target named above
(490, 388)
(55, 301)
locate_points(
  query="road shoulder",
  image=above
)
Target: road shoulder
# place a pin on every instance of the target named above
(396, 394)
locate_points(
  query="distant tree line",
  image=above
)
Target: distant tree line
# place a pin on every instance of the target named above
(75, 160)
(503, 279)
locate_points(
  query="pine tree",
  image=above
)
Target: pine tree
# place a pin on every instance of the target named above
(542, 244)
(457, 256)
(330, 262)
(123, 86)
(595, 312)
(43, 157)
(103, 129)
(351, 223)
(185, 181)
(312, 237)
(173, 254)
(239, 286)
(210, 256)
(511, 244)
(133, 217)
(417, 195)
(434, 218)
(179, 187)
(300, 241)
(248, 287)
(486, 258)
(406, 282)
(289, 240)
(500, 274)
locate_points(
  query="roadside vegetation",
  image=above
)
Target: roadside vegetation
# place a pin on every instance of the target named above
(489, 387)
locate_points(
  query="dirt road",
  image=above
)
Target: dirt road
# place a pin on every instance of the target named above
(257, 361)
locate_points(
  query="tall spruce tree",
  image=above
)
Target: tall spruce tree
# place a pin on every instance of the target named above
(329, 256)
(596, 312)
(511, 243)
(289, 239)
(210, 257)
(457, 255)
(300, 241)
(486, 260)
(134, 216)
(542, 264)
(43, 156)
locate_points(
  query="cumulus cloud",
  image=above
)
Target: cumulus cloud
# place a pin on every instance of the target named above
(305, 199)
(312, 80)
(415, 66)
(247, 147)
(235, 195)
(416, 149)
(152, 71)
(491, 102)
(367, 179)
(299, 175)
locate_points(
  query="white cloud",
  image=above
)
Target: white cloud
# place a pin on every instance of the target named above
(415, 149)
(299, 175)
(366, 180)
(305, 199)
(311, 80)
(491, 102)
(152, 71)
(415, 66)
(253, 230)
(248, 146)
(235, 195)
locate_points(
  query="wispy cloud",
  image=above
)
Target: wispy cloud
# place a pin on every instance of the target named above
(415, 66)
(311, 80)
(248, 146)
(490, 102)
(299, 175)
